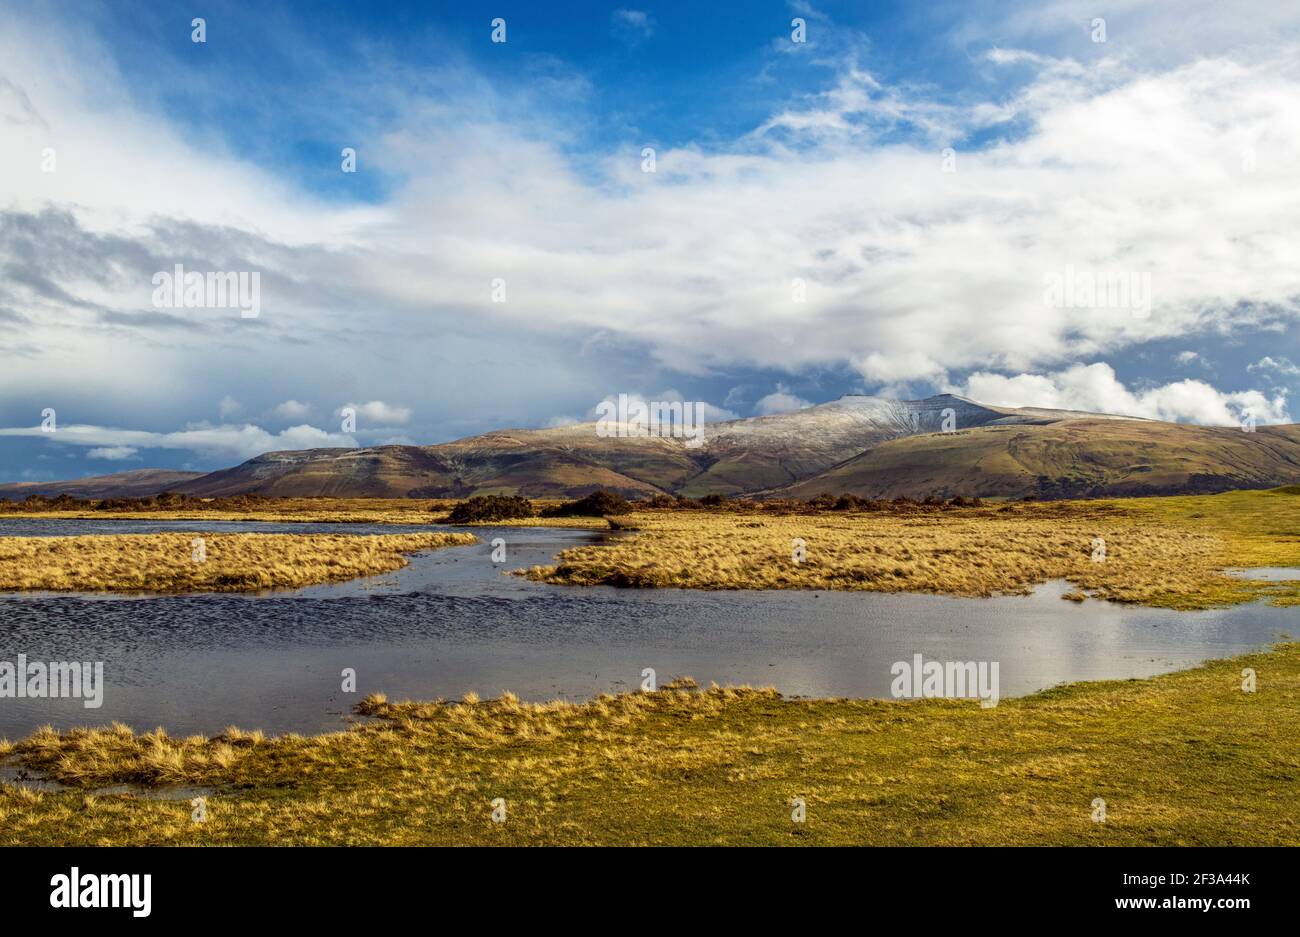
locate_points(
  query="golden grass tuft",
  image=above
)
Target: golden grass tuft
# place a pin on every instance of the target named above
(233, 563)
(1157, 551)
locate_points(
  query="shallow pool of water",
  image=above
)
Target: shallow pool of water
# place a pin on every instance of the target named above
(453, 622)
(1267, 573)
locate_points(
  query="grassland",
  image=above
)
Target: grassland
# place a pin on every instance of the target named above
(1167, 552)
(1187, 758)
(227, 562)
(1157, 551)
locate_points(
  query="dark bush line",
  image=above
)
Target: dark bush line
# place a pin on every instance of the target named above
(486, 508)
(490, 508)
(165, 501)
(599, 503)
(823, 502)
(602, 503)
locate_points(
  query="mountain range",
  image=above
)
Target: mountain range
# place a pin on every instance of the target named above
(869, 446)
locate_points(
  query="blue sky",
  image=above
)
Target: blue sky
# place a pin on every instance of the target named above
(923, 170)
(616, 77)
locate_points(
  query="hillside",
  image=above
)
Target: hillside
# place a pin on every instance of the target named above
(133, 484)
(1068, 458)
(737, 456)
(868, 446)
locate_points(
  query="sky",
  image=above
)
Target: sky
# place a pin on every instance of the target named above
(755, 205)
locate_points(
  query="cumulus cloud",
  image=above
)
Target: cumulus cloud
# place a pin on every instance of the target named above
(780, 401)
(376, 411)
(1096, 388)
(290, 410)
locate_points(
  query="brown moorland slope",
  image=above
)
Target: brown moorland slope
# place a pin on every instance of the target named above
(867, 446)
(1067, 459)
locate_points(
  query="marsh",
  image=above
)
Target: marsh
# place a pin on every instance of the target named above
(453, 622)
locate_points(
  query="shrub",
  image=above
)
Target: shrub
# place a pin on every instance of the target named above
(491, 508)
(597, 504)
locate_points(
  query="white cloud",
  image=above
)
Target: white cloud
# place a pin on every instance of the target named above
(632, 24)
(290, 410)
(112, 452)
(120, 161)
(860, 107)
(1095, 388)
(229, 407)
(1157, 33)
(713, 414)
(1283, 367)
(227, 441)
(376, 411)
(736, 396)
(912, 273)
(780, 401)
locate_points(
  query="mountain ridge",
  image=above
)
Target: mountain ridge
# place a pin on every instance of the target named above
(857, 444)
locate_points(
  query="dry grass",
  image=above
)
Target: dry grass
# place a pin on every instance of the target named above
(1259, 528)
(1186, 758)
(1158, 551)
(233, 563)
